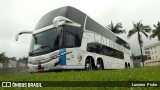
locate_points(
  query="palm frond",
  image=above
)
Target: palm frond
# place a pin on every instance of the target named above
(147, 28)
(156, 31)
(117, 29)
(155, 26)
(118, 26)
(158, 24)
(139, 25)
(121, 31)
(112, 26)
(109, 27)
(145, 34)
(158, 37)
(153, 34)
(131, 32)
(134, 25)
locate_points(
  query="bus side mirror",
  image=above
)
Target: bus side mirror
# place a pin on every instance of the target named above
(23, 32)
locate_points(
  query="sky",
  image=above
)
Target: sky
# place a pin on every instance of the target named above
(20, 15)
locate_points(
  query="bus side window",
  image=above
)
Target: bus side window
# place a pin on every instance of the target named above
(70, 40)
(90, 47)
(97, 48)
(112, 52)
(105, 51)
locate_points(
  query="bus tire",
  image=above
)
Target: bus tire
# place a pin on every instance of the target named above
(99, 65)
(31, 72)
(126, 66)
(88, 65)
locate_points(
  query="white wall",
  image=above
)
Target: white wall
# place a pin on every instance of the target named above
(12, 64)
(1, 65)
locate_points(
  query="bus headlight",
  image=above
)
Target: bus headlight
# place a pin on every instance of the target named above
(55, 55)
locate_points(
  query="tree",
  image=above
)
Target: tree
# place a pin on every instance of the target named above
(117, 29)
(3, 58)
(13, 58)
(139, 28)
(156, 31)
(23, 60)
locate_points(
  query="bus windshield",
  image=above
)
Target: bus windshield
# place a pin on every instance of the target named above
(46, 41)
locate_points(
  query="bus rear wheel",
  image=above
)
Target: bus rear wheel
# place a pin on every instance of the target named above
(88, 65)
(99, 65)
(126, 66)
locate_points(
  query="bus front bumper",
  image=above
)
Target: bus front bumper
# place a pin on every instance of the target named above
(51, 65)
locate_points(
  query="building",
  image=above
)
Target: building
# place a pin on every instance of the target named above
(21, 63)
(13, 63)
(153, 54)
(137, 60)
(1, 65)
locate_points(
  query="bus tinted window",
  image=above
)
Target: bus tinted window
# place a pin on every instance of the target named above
(104, 50)
(94, 47)
(70, 40)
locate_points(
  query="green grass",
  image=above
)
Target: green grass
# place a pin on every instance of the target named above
(133, 74)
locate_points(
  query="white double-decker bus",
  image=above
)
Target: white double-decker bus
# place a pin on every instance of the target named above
(66, 38)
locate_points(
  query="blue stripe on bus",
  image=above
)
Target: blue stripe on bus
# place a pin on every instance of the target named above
(62, 58)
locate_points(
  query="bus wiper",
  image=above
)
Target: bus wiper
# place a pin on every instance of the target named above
(42, 47)
(45, 46)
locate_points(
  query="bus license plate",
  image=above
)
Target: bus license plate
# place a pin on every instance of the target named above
(40, 69)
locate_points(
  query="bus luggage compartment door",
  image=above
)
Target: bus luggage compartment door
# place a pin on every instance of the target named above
(71, 58)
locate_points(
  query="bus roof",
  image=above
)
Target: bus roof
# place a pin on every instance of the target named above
(67, 11)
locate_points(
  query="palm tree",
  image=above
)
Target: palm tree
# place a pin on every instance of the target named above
(117, 29)
(156, 31)
(139, 28)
